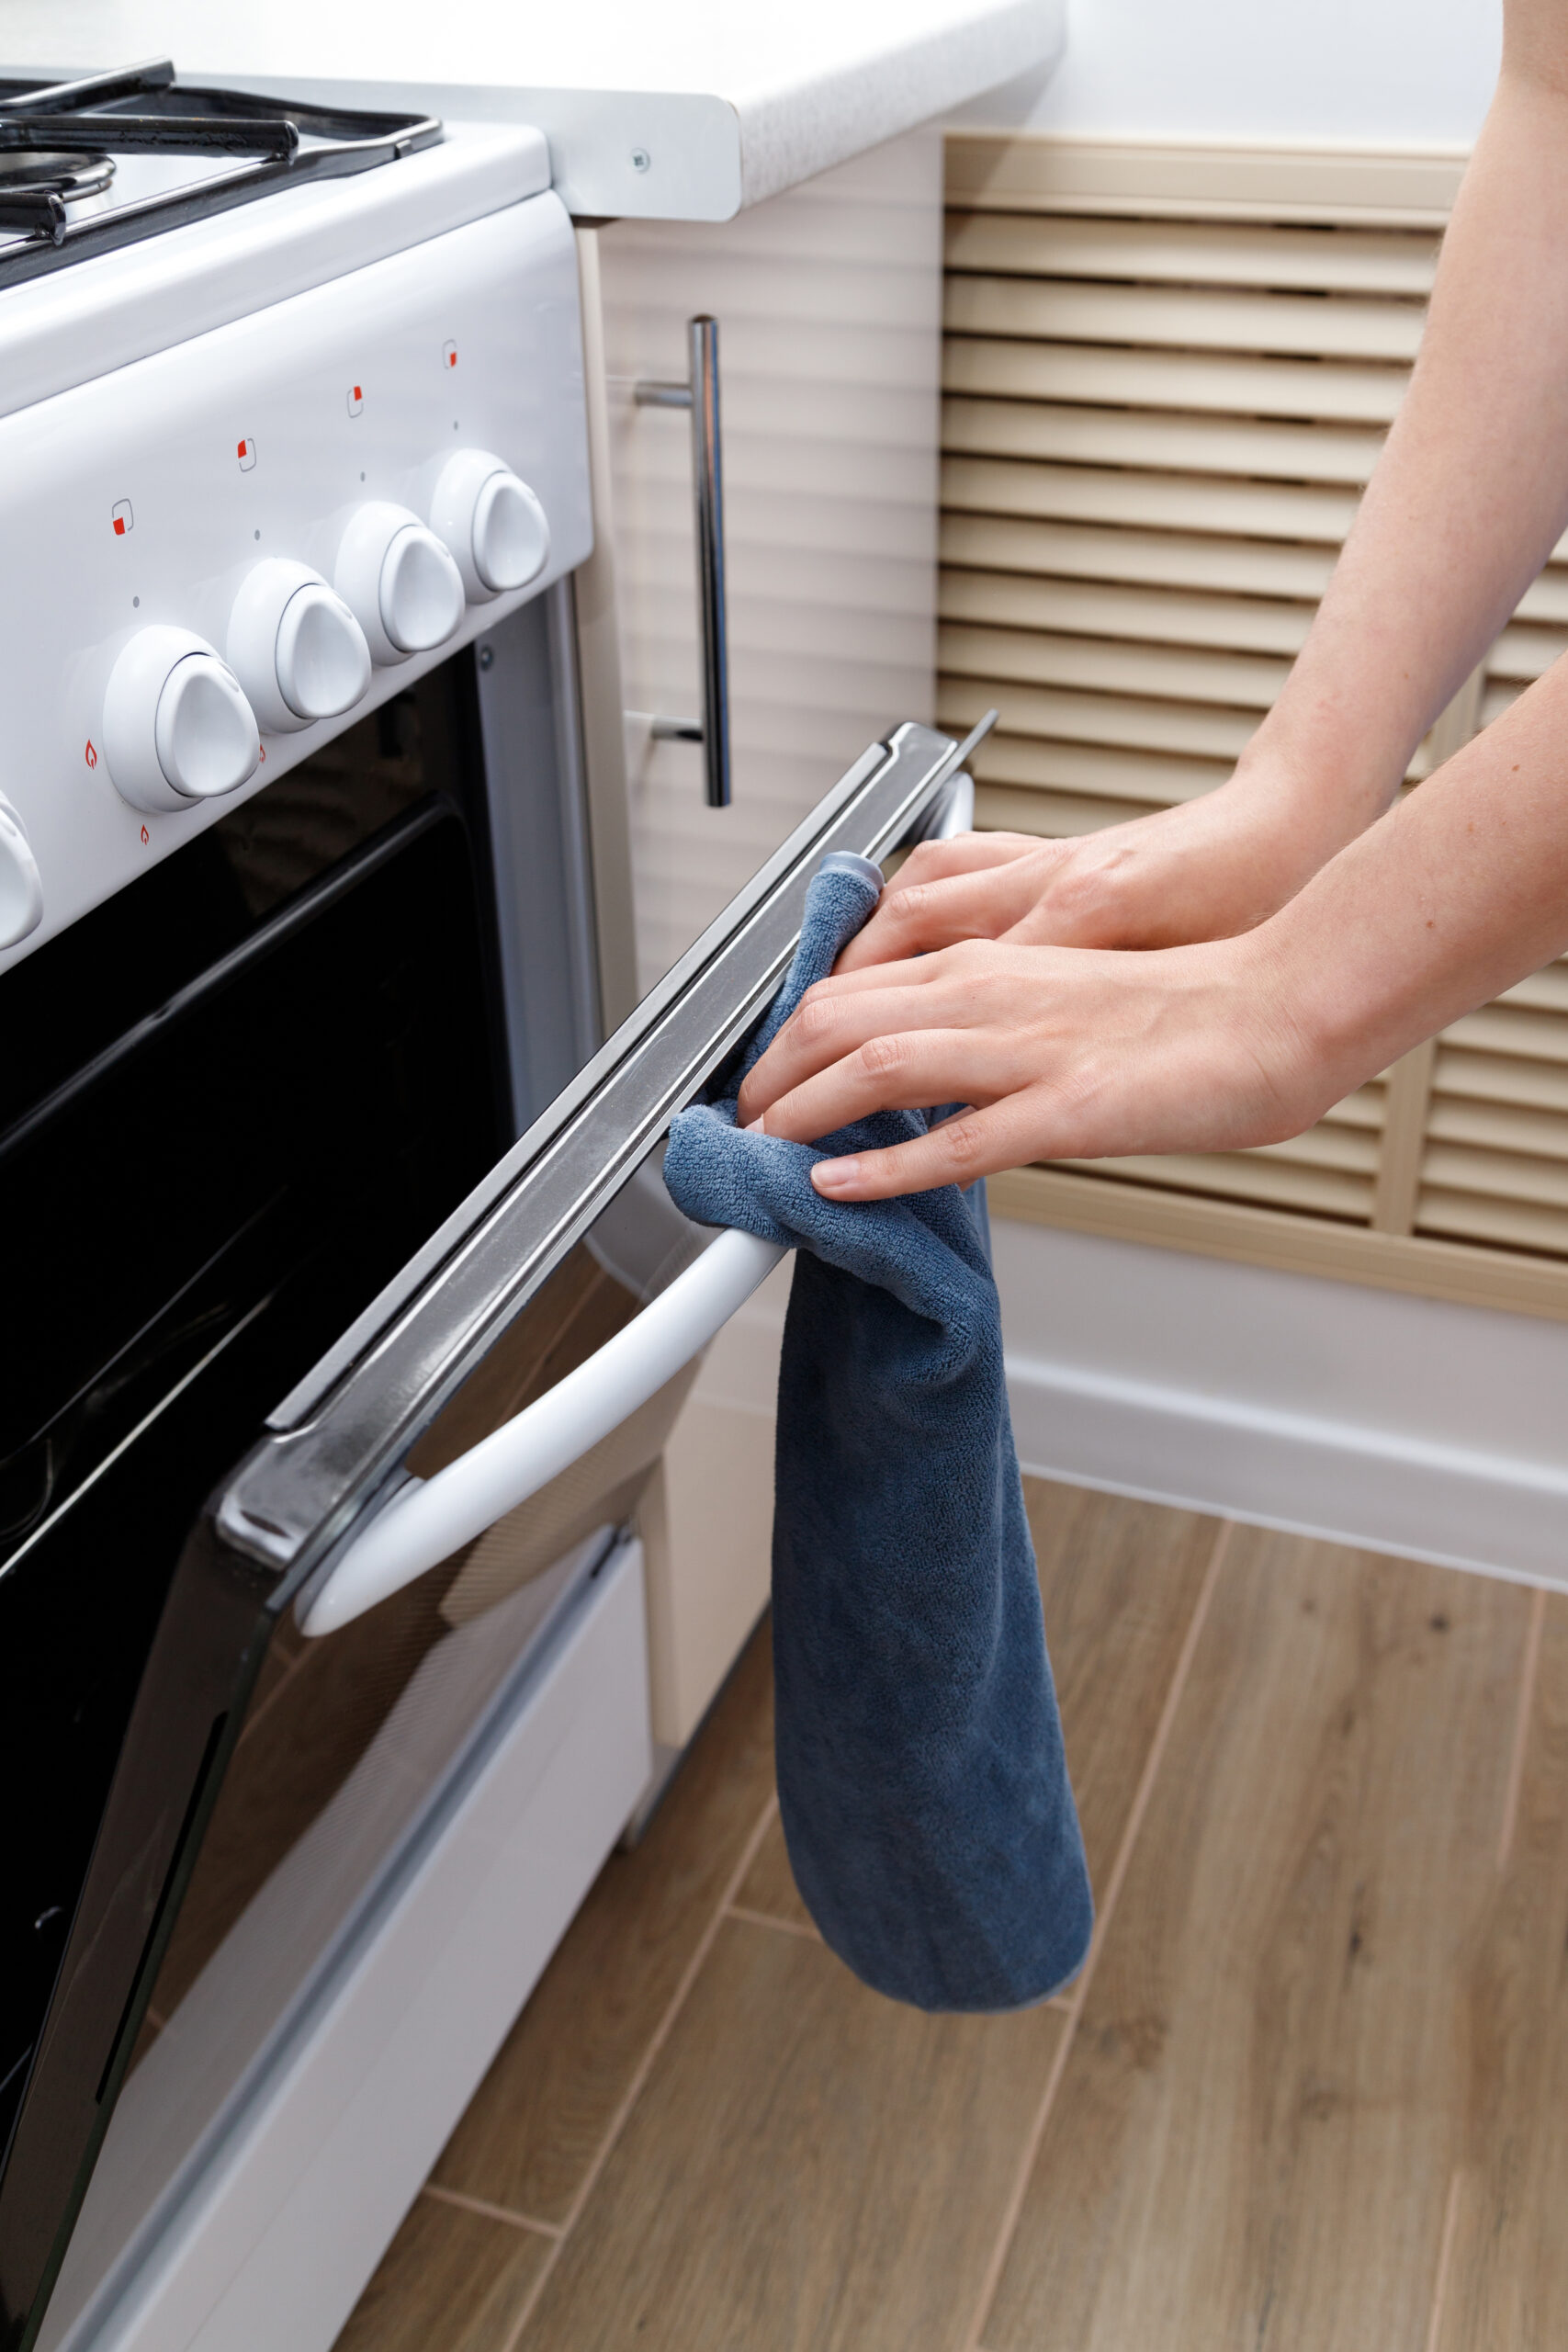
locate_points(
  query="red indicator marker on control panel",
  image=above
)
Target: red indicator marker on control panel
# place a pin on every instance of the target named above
(247, 454)
(355, 399)
(121, 517)
(449, 353)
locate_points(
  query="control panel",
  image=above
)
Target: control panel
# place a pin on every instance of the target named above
(239, 545)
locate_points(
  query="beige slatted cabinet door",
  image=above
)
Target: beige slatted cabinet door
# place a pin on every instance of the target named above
(829, 303)
(1156, 431)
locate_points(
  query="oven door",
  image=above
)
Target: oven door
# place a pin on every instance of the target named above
(424, 1518)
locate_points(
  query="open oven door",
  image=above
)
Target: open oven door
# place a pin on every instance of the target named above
(442, 1503)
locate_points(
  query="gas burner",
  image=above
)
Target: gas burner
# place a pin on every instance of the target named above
(34, 172)
(37, 182)
(57, 141)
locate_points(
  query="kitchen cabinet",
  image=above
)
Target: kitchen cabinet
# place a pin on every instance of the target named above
(828, 300)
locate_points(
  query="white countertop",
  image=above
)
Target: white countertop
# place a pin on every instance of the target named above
(661, 109)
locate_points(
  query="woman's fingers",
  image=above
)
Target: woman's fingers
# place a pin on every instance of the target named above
(975, 1144)
(836, 1018)
(915, 916)
(900, 1073)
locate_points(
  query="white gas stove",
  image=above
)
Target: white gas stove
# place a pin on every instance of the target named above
(291, 406)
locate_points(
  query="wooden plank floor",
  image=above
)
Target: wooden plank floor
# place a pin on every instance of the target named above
(1310, 2092)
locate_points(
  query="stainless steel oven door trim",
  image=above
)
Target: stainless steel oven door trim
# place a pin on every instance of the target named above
(335, 1442)
(435, 1517)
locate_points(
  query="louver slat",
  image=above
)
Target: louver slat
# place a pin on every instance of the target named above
(1228, 385)
(1189, 253)
(1167, 558)
(1150, 616)
(1144, 499)
(1184, 319)
(1202, 444)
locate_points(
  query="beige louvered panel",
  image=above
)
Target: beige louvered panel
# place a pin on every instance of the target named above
(1544, 991)
(1477, 1077)
(1080, 785)
(1495, 1164)
(1143, 498)
(1201, 445)
(1195, 319)
(1525, 653)
(1199, 729)
(1506, 1225)
(1498, 694)
(1537, 637)
(1150, 616)
(1156, 434)
(1494, 1127)
(1546, 598)
(1189, 253)
(1168, 558)
(1268, 184)
(1248, 1176)
(1227, 384)
(1114, 666)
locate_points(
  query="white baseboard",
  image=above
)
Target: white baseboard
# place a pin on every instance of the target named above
(1403, 1425)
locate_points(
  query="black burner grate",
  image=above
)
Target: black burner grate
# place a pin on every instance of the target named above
(57, 141)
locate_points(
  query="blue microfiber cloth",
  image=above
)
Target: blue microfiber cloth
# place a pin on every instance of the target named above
(922, 1785)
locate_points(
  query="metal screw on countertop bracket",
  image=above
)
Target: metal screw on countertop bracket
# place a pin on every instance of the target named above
(641, 160)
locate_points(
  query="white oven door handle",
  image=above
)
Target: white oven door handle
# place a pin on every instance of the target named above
(430, 1519)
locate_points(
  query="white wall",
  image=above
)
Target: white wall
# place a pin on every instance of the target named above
(1403, 1424)
(1414, 72)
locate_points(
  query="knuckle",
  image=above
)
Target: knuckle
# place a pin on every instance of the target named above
(923, 859)
(815, 1017)
(964, 1141)
(907, 906)
(881, 1056)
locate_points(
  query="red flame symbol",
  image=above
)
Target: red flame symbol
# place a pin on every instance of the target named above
(145, 836)
(91, 755)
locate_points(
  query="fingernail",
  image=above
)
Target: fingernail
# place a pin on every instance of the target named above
(835, 1175)
(754, 1126)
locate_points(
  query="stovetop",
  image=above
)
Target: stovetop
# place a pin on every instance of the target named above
(92, 164)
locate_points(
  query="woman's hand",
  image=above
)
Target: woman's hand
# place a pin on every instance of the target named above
(1209, 870)
(1062, 1053)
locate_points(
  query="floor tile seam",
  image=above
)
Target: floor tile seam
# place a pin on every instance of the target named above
(1079, 1992)
(1445, 2254)
(802, 1927)
(482, 2206)
(645, 2066)
(1157, 1746)
(1529, 1673)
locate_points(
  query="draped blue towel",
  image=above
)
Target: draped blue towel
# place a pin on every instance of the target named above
(922, 1785)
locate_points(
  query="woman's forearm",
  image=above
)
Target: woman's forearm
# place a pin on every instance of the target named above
(1075, 1054)
(1452, 898)
(1471, 493)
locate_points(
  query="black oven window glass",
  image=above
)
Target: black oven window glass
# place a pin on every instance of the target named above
(242, 1093)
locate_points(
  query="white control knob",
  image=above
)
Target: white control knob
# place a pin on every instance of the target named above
(492, 523)
(294, 647)
(21, 892)
(399, 582)
(177, 728)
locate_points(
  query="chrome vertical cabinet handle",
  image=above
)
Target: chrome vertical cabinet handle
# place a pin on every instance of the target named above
(700, 395)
